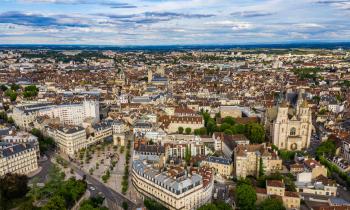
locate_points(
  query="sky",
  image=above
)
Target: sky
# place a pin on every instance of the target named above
(173, 22)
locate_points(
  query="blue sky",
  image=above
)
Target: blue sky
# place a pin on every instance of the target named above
(163, 22)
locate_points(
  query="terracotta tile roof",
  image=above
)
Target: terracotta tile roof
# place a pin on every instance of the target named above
(275, 183)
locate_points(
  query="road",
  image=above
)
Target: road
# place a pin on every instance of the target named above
(108, 192)
(45, 165)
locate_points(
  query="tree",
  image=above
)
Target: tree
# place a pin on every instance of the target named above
(238, 129)
(27, 205)
(222, 205)
(200, 131)
(12, 186)
(255, 133)
(229, 120)
(34, 192)
(208, 206)
(271, 203)
(3, 87)
(125, 205)
(211, 126)
(187, 155)
(55, 203)
(15, 87)
(225, 126)
(326, 148)
(30, 91)
(188, 131)
(228, 132)
(261, 167)
(93, 203)
(206, 117)
(180, 130)
(245, 197)
(11, 94)
(153, 205)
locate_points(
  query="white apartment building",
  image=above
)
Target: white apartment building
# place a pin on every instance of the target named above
(69, 139)
(20, 158)
(70, 114)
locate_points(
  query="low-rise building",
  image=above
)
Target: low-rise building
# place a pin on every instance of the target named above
(276, 188)
(320, 185)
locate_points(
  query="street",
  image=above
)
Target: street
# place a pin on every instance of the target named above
(108, 192)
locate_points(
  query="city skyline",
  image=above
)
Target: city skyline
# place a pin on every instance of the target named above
(166, 22)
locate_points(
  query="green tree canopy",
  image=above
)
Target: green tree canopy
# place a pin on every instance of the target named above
(245, 197)
(229, 120)
(326, 148)
(271, 204)
(30, 91)
(255, 133)
(55, 203)
(11, 94)
(3, 87)
(180, 130)
(188, 131)
(153, 205)
(15, 87)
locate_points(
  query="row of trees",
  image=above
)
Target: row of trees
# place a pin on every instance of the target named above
(181, 130)
(334, 169)
(125, 179)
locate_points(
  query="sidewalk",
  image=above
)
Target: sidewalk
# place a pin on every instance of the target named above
(37, 171)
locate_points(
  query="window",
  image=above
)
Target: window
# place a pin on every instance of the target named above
(293, 131)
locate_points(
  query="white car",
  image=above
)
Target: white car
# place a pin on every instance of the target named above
(92, 188)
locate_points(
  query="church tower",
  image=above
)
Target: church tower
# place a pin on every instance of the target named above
(279, 134)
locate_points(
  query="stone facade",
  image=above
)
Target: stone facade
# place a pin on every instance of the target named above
(292, 131)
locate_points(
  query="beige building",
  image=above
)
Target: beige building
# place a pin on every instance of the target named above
(230, 111)
(175, 188)
(276, 188)
(316, 168)
(20, 158)
(172, 123)
(320, 185)
(248, 158)
(69, 139)
(291, 129)
(221, 166)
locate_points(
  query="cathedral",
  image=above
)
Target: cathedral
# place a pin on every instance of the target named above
(291, 127)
